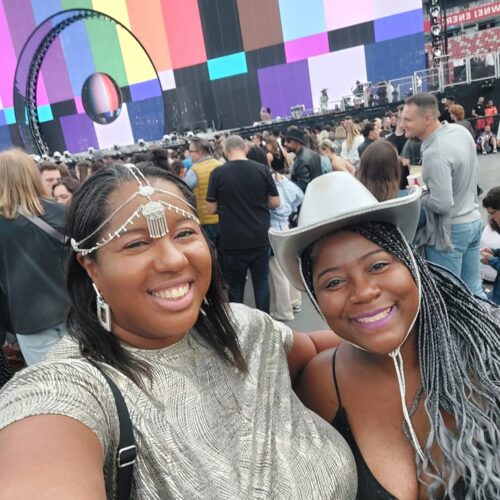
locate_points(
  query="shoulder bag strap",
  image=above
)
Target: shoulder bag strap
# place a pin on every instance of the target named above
(127, 451)
(44, 227)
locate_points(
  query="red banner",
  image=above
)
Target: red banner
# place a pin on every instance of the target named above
(469, 15)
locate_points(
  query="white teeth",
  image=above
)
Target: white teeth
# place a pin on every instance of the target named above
(175, 293)
(377, 317)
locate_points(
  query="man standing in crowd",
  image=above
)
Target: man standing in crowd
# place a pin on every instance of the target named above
(398, 138)
(307, 163)
(50, 174)
(197, 179)
(242, 191)
(478, 112)
(449, 170)
(386, 127)
(371, 133)
(445, 115)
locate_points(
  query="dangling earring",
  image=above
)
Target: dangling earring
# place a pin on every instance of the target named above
(103, 311)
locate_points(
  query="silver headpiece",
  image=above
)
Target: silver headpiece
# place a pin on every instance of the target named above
(153, 211)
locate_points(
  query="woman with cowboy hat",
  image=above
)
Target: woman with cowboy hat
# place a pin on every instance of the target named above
(414, 389)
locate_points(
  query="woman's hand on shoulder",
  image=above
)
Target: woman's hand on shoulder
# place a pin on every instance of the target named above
(315, 386)
(50, 456)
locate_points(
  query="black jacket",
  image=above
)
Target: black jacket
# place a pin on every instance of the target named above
(364, 145)
(33, 272)
(306, 167)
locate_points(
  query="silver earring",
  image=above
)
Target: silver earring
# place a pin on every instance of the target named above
(103, 311)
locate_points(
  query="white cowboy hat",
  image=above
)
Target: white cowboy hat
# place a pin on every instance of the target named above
(334, 201)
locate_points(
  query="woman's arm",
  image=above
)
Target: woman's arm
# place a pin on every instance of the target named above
(306, 346)
(50, 457)
(315, 387)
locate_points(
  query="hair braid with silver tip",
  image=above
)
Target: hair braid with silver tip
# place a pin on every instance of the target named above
(459, 357)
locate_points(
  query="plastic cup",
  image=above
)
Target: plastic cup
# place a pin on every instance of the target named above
(414, 180)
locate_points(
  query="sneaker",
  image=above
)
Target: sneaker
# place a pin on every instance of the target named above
(494, 151)
(485, 152)
(297, 308)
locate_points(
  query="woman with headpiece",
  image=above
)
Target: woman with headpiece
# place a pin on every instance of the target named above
(414, 389)
(207, 386)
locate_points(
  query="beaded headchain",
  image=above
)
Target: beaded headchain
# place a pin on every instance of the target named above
(152, 211)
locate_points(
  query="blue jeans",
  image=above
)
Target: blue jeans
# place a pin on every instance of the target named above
(463, 260)
(35, 346)
(235, 265)
(212, 233)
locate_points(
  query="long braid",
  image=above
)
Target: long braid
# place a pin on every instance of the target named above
(459, 357)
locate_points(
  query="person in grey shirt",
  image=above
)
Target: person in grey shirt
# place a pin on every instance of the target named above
(449, 170)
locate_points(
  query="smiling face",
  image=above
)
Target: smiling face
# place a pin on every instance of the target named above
(154, 287)
(416, 122)
(366, 295)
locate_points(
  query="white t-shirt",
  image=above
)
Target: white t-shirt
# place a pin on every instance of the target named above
(489, 239)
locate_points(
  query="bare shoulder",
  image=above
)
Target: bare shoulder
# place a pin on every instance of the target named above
(315, 386)
(50, 456)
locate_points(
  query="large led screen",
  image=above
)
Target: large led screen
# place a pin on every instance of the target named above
(94, 73)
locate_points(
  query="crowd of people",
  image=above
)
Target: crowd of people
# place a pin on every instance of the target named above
(122, 281)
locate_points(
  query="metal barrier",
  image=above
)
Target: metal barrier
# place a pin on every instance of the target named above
(482, 66)
(403, 87)
(450, 72)
(473, 68)
(428, 80)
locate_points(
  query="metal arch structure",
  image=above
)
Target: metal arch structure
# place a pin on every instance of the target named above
(25, 107)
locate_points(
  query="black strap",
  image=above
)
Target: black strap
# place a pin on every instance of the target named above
(334, 358)
(45, 227)
(127, 450)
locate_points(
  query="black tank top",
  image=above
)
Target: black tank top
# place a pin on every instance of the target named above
(368, 486)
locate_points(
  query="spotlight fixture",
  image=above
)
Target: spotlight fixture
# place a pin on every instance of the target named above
(436, 30)
(437, 52)
(434, 12)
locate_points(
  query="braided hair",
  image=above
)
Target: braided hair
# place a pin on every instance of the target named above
(459, 358)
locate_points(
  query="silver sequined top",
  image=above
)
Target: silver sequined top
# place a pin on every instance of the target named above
(203, 430)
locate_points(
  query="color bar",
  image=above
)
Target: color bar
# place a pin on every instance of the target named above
(223, 67)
